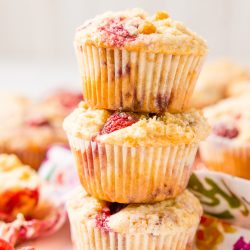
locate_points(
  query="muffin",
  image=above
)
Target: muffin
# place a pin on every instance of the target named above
(215, 80)
(97, 224)
(134, 157)
(19, 188)
(56, 106)
(227, 149)
(31, 134)
(239, 88)
(132, 61)
(14, 108)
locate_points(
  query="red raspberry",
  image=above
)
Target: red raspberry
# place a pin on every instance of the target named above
(118, 121)
(69, 99)
(4, 245)
(223, 130)
(102, 220)
(115, 33)
(38, 122)
(103, 217)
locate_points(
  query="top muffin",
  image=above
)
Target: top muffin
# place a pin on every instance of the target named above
(136, 30)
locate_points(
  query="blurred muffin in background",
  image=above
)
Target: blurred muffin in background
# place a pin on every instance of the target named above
(227, 149)
(29, 139)
(60, 103)
(30, 127)
(19, 189)
(56, 106)
(215, 80)
(239, 88)
(13, 107)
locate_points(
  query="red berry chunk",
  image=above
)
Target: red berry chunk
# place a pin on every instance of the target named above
(18, 199)
(103, 217)
(115, 33)
(38, 122)
(69, 99)
(118, 121)
(102, 220)
(4, 245)
(223, 130)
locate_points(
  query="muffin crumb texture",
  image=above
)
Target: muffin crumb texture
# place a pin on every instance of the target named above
(167, 216)
(136, 129)
(136, 30)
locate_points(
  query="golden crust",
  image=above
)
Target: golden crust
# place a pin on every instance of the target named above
(176, 214)
(134, 30)
(180, 128)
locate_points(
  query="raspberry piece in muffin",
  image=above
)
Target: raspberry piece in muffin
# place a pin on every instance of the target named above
(102, 218)
(38, 122)
(227, 149)
(225, 131)
(19, 189)
(115, 33)
(118, 121)
(4, 245)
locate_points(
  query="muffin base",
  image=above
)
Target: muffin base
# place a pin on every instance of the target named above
(132, 175)
(222, 155)
(135, 80)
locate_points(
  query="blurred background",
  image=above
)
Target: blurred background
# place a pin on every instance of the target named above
(36, 41)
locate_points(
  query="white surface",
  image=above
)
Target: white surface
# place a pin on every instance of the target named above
(36, 37)
(36, 77)
(45, 28)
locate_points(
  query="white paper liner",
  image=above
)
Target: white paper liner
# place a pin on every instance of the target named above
(86, 236)
(132, 175)
(137, 81)
(223, 155)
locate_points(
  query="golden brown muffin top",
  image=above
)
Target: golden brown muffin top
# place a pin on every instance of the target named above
(135, 30)
(136, 129)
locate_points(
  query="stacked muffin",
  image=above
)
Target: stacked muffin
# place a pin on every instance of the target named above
(133, 139)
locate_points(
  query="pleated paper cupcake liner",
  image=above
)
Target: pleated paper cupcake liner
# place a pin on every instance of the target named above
(132, 175)
(86, 236)
(223, 155)
(135, 80)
